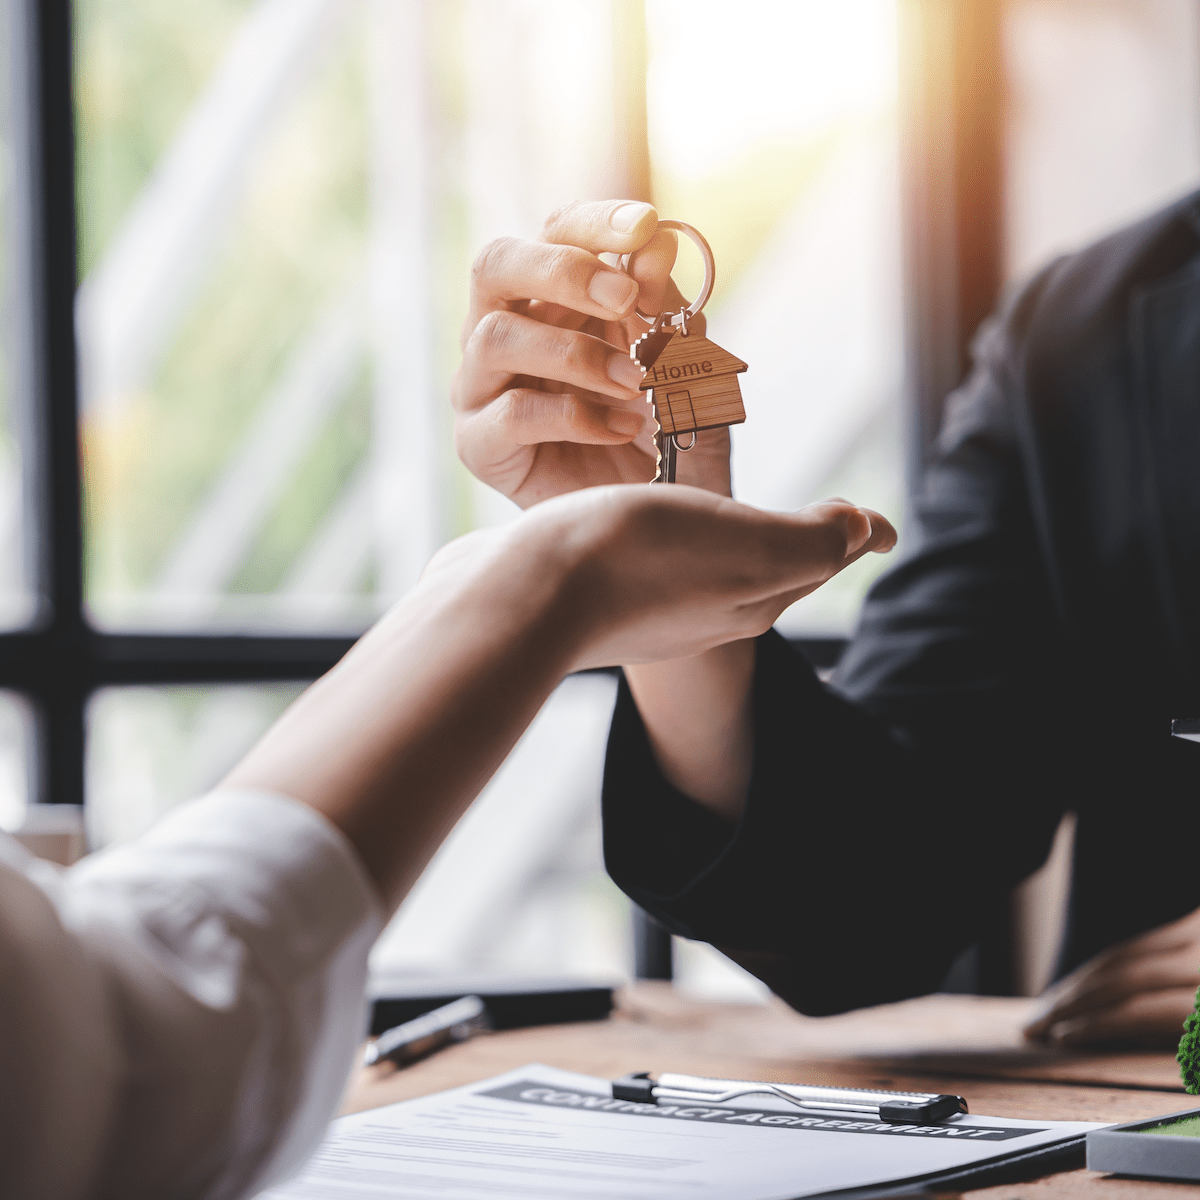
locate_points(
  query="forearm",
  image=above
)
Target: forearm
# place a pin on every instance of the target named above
(830, 784)
(396, 741)
(699, 721)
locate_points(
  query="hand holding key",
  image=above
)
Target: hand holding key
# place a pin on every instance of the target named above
(547, 399)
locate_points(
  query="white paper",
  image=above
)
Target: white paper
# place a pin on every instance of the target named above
(557, 1135)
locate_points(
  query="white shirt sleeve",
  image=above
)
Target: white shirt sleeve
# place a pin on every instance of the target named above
(178, 1015)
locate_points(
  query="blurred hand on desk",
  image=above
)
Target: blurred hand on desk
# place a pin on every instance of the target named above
(1137, 991)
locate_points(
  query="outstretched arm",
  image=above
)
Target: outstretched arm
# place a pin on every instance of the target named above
(188, 1004)
(396, 741)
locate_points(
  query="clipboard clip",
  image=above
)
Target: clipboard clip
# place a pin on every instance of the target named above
(896, 1108)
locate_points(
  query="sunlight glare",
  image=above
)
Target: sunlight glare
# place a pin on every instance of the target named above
(722, 76)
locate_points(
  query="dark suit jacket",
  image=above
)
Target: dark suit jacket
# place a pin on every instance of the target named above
(1024, 659)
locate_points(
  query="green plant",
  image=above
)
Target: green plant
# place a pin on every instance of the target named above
(1188, 1053)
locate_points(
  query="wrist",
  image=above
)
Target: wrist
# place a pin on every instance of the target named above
(580, 550)
(395, 741)
(543, 578)
(698, 716)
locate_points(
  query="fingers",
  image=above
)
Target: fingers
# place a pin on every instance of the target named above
(1146, 974)
(506, 344)
(674, 571)
(1044, 1016)
(863, 530)
(794, 553)
(1162, 958)
(613, 226)
(657, 291)
(1183, 932)
(822, 540)
(502, 442)
(651, 267)
(878, 538)
(1149, 1018)
(562, 268)
(526, 417)
(858, 531)
(509, 271)
(1161, 940)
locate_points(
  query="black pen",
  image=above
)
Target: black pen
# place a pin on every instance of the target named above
(453, 1022)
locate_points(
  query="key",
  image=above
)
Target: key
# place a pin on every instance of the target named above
(692, 382)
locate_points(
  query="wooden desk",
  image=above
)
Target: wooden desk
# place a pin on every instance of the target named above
(966, 1045)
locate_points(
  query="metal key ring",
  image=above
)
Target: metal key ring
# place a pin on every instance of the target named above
(710, 275)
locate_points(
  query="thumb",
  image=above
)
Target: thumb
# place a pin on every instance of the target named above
(651, 268)
(858, 530)
(863, 528)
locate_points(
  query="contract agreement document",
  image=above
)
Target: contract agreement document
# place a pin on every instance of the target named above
(538, 1132)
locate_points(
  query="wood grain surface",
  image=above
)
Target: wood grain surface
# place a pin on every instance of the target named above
(694, 382)
(966, 1045)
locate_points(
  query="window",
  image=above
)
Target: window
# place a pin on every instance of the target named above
(276, 205)
(788, 165)
(258, 251)
(151, 748)
(255, 391)
(1103, 119)
(244, 228)
(17, 601)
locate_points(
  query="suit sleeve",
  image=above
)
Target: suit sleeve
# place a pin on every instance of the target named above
(889, 811)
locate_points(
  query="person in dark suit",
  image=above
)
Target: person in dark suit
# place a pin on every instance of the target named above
(847, 843)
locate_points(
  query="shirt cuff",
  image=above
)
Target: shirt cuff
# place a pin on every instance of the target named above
(259, 910)
(273, 865)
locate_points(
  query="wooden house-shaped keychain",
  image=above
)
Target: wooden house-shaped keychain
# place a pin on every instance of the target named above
(693, 383)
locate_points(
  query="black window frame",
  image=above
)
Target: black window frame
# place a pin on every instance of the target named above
(61, 659)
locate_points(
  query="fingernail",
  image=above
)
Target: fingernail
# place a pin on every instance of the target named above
(623, 370)
(613, 290)
(854, 544)
(627, 424)
(626, 216)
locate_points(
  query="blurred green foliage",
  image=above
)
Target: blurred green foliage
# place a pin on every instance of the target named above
(139, 65)
(296, 241)
(1188, 1054)
(314, 489)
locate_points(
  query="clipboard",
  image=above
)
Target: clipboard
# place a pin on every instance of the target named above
(543, 1131)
